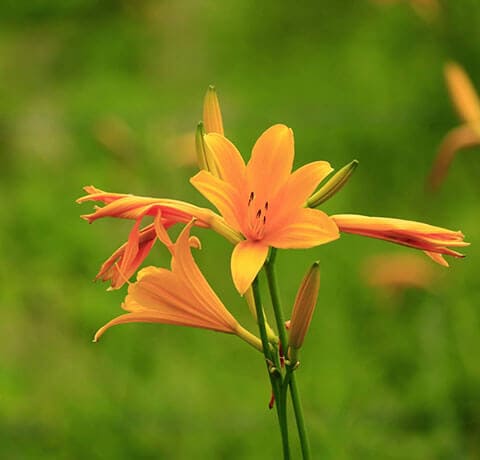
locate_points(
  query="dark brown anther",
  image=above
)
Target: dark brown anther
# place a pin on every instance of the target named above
(259, 213)
(264, 220)
(250, 199)
(266, 205)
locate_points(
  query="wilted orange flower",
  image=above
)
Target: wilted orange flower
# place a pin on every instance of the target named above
(263, 199)
(435, 241)
(125, 260)
(180, 296)
(467, 104)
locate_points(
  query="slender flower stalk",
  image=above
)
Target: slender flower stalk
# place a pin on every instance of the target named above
(434, 241)
(263, 200)
(289, 380)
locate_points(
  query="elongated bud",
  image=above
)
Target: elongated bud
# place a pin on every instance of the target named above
(334, 185)
(205, 158)
(200, 147)
(303, 310)
(212, 115)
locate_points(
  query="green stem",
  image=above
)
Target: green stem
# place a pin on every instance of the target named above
(277, 308)
(275, 375)
(289, 380)
(297, 407)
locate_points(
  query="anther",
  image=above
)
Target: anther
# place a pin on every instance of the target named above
(266, 205)
(264, 220)
(259, 213)
(250, 199)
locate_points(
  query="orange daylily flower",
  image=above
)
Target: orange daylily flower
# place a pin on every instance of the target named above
(125, 260)
(263, 200)
(467, 104)
(434, 241)
(180, 296)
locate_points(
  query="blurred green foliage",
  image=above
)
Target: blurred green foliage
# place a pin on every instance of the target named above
(102, 93)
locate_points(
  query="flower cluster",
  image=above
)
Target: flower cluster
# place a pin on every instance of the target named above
(261, 205)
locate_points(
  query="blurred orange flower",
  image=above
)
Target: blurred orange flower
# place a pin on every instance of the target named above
(263, 200)
(180, 296)
(467, 104)
(434, 241)
(396, 272)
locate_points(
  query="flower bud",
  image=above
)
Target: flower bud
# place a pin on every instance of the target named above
(334, 185)
(205, 156)
(303, 309)
(212, 115)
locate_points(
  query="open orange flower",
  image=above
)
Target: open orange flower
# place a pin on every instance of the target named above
(435, 241)
(125, 260)
(263, 199)
(180, 296)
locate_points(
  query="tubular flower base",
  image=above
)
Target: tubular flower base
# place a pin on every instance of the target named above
(180, 296)
(435, 241)
(125, 260)
(263, 200)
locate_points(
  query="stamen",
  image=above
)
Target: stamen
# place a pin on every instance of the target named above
(259, 213)
(264, 220)
(266, 205)
(250, 199)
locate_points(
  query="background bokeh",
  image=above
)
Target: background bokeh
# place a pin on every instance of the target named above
(108, 93)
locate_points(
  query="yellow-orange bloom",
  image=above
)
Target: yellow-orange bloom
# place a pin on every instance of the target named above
(435, 241)
(466, 102)
(263, 199)
(125, 260)
(180, 296)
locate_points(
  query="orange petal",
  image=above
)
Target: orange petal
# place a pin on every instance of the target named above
(436, 257)
(154, 316)
(247, 260)
(463, 93)
(300, 185)
(271, 161)
(307, 228)
(459, 138)
(222, 195)
(229, 161)
(187, 271)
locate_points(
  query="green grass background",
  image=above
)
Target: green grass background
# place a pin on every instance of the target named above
(354, 80)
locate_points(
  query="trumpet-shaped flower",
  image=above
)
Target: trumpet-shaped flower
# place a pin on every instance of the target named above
(180, 296)
(467, 103)
(125, 260)
(435, 241)
(264, 200)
